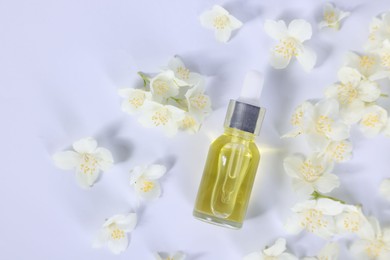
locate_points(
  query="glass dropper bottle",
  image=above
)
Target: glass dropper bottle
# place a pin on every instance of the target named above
(233, 160)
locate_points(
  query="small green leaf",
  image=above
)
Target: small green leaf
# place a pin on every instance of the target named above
(145, 78)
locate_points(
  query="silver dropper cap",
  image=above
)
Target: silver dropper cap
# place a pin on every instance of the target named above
(245, 113)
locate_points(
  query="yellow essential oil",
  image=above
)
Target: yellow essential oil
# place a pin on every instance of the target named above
(231, 164)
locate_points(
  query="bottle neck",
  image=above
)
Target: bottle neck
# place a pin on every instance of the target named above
(240, 134)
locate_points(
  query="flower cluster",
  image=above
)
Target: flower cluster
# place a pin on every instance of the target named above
(325, 126)
(173, 100)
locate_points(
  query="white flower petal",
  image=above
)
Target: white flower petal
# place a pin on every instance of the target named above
(104, 157)
(353, 112)
(307, 58)
(329, 207)
(154, 171)
(234, 22)
(207, 19)
(300, 29)
(292, 165)
(327, 182)
(340, 131)
(127, 222)
(66, 160)
(330, 252)
(136, 173)
(278, 60)
(348, 74)
(86, 180)
(369, 91)
(118, 246)
(276, 249)
(179, 256)
(276, 29)
(223, 35)
(85, 145)
(302, 187)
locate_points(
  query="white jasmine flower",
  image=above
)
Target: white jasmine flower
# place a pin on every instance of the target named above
(219, 20)
(322, 124)
(165, 85)
(368, 65)
(199, 104)
(316, 216)
(352, 220)
(190, 123)
(133, 99)
(87, 159)
(379, 31)
(114, 233)
(384, 189)
(164, 116)
(145, 180)
(352, 93)
(374, 246)
(181, 72)
(276, 252)
(310, 174)
(175, 256)
(374, 120)
(338, 151)
(290, 43)
(329, 252)
(384, 54)
(297, 120)
(332, 17)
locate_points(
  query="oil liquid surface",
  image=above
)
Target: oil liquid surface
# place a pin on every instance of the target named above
(227, 180)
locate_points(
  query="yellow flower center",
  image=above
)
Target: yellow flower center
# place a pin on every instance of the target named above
(137, 100)
(366, 62)
(323, 125)
(330, 17)
(346, 93)
(337, 152)
(88, 163)
(199, 101)
(287, 48)
(313, 220)
(221, 22)
(160, 87)
(147, 186)
(188, 122)
(296, 119)
(371, 120)
(160, 117)
(310, 171)
(375, 248)
(183, 73)
(352, 222)
(117, 234)
(385, 59)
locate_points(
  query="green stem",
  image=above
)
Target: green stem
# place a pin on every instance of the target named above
(384, 95)
(145, 78)
(317, 195)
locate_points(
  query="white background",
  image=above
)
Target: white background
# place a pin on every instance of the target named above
(61, 63)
